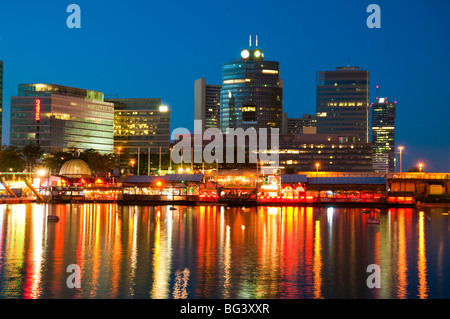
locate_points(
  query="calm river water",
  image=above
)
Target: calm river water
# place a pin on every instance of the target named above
(219, 252)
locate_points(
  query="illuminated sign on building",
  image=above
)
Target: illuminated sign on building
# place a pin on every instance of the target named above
(37, 113)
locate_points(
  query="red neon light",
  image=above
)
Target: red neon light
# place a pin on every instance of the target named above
(38, 110)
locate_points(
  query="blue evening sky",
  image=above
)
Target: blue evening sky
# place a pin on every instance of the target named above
(159, 48)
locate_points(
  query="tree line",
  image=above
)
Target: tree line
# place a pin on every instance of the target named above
(32, 157)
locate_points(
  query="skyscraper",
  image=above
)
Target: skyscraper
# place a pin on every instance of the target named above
(342, 99)
(61, 118)
(383, 135)
(1, 100)
(207, 104)
(140, 123)
(251, 94)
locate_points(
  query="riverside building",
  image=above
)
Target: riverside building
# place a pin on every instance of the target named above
(141, 124)
(324, 153)
(61, 118)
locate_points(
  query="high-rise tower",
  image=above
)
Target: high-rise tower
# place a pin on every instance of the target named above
(252, 93)
(383, 135)
(207, 104)
(342, 99)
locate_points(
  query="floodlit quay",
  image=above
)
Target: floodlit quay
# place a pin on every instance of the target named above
(234, 187)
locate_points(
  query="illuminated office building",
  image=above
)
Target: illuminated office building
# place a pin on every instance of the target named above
(60, 118)
(307, 124)
(383, 135)
(251, 94)
(207, 104)
(330, 151)
(140, 124)
(342, 99)
(1, 100)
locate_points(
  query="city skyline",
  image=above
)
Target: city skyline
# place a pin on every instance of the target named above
(405, 57)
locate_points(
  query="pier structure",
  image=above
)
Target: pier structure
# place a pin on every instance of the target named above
(236, 187)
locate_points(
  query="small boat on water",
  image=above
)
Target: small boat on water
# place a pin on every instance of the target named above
(373, 221)
(366, 211)
(172, 208)
(52, 218)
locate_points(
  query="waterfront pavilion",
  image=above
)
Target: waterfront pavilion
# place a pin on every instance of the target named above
(170, 187)
(346, 189)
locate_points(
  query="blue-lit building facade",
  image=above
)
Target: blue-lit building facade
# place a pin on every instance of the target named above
(60, 118)
(383, 135)
(252, 93)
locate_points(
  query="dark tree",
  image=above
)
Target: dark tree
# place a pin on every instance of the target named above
(32, 153)
(54, 161)
(11, 159)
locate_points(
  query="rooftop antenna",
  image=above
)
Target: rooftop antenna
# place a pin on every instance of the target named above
(250, 41)
(348, 62)
(256, 40)
(377, 91)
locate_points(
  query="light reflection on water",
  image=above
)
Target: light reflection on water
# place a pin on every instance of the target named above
(218, 252)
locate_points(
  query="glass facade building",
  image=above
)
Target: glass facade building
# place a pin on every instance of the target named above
(383, 135)
(342, 99)
(207, 104)
(251, 94)
(140, 124)
(60, 118)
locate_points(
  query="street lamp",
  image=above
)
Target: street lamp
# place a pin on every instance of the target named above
(132, 164)
(317, 169)
(401, 148)
(170, 159)
(118, 156)
(420, 167)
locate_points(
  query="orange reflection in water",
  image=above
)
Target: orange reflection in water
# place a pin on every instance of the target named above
(15, 241)
(317, 262)
(402, 266)
(162, 256)
(422, 259)
(207, 241)
(282, 252)
(227, 264)
(32, 289)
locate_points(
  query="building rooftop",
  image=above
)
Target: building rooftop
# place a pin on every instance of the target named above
(43, 89)
(347, 180)
(293, 178)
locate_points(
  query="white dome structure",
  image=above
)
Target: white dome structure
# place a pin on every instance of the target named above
(75, 168)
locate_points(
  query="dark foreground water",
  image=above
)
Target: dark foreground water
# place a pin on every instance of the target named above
(215, 252)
